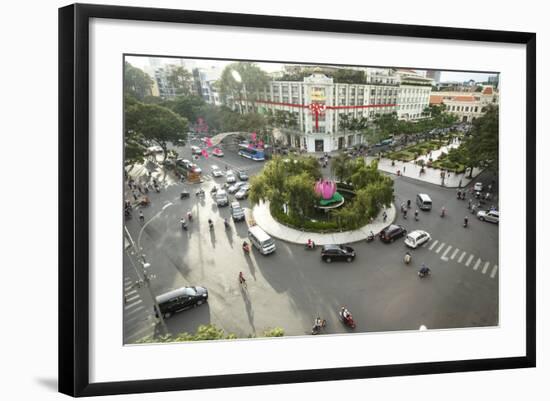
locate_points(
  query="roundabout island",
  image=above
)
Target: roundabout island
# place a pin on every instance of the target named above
(292, 201)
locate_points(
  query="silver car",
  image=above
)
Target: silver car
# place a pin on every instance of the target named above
(488, 215)
(230, 178)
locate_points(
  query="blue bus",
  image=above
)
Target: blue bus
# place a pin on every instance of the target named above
(251, 153)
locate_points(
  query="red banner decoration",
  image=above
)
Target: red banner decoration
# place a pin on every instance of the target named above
(209, 142)
(205, 153)
(253, 135)
(319, 108)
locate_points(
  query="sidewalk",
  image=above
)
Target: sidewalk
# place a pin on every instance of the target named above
(263, 218)
(430, 175)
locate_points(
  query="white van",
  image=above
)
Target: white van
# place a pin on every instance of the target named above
(424, 202)
(261, 240)
(221, 198)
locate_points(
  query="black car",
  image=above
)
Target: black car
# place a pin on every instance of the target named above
(392, 232)
(337, 252)
(181, 299)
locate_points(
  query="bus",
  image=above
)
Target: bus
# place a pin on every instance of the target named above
(251, 153)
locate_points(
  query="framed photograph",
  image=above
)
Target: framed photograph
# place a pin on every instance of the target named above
(252, 199)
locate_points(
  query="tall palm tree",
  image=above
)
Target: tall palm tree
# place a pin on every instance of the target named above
(341, 167)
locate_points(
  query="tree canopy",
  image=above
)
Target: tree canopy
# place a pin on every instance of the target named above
(136, 82)
(480, 148)
(146, 123)
(242, 80)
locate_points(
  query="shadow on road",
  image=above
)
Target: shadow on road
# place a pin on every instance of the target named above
(249, 311)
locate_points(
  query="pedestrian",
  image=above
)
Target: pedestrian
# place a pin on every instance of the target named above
(384, 215)
(141, 217)
(448, 174)
(404, 168)
(470, 203)
(460, 183)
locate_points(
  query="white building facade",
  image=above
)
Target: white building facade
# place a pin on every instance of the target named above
(322, 109)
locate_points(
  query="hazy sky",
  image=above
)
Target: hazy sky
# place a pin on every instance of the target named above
(446, 76)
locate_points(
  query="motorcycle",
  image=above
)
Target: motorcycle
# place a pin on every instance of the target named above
(370, 237)
(348, 321)
(184, 225)
(226, 224)
(309, 247)
(424, 272)
(246, 248)
(465, 224)
(318, 325)
(442, 214)
(214, 190)
(210, 224)
(200, 192)
(184, 194)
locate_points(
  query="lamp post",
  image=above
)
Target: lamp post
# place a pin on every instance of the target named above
(146, 265)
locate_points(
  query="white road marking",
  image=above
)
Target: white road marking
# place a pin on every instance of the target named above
(477, 264)
(454, 253)
(440, 247)
(485, 267)
(131, 292)
(469, 260)
(132, 304)
(131, 299)
(461, 257)
(444, 256)
(494, 271)
(433, 244)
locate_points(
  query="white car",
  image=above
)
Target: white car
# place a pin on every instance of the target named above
(488, 215)
(216, 172)
(196, 150)
(235, 187)
(242, 193)
(417, 238)
(478, 187)
(230, 177)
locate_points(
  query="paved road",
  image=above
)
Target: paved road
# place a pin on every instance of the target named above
(290, 287)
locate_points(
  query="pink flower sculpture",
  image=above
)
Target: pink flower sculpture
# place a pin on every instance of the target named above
(325, 189)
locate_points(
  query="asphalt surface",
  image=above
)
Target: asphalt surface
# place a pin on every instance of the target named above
(291, 287)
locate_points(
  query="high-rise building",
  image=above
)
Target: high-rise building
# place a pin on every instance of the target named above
(434, 74)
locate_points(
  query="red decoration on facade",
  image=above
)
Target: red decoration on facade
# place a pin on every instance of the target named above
(319, 108)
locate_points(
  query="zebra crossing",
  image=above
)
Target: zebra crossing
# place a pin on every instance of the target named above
(135, 313)
(448, 252)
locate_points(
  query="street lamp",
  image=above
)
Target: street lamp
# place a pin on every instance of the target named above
(146, 265)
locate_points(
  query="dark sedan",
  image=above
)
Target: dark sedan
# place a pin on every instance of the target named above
(181, 299)
(392, 232)
(337, 252)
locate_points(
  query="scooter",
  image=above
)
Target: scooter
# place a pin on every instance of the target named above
(424, 273)
(318, 326)
(347, 321)
(370, 237)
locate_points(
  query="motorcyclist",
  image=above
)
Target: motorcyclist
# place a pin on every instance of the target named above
(465, 221)
(246, 247)
(189, 215)
(424, 270)
(346, 315)
(416, 214)
(443, 211)
(210, 223)
(407, 257)
(310, 244)
(408, 203)
(225, 222)
(183, 224)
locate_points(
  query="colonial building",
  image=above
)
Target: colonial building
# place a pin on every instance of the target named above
(414, 95)
(467, 106)
(322, 112)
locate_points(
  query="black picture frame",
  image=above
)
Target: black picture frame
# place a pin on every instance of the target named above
(74, 198)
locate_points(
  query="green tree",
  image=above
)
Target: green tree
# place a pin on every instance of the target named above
(188, 107)
(136, 82)
(341, 167)
(480, 148)
(242, 81)
(153, 123)
(181, 80)
(300, 194)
